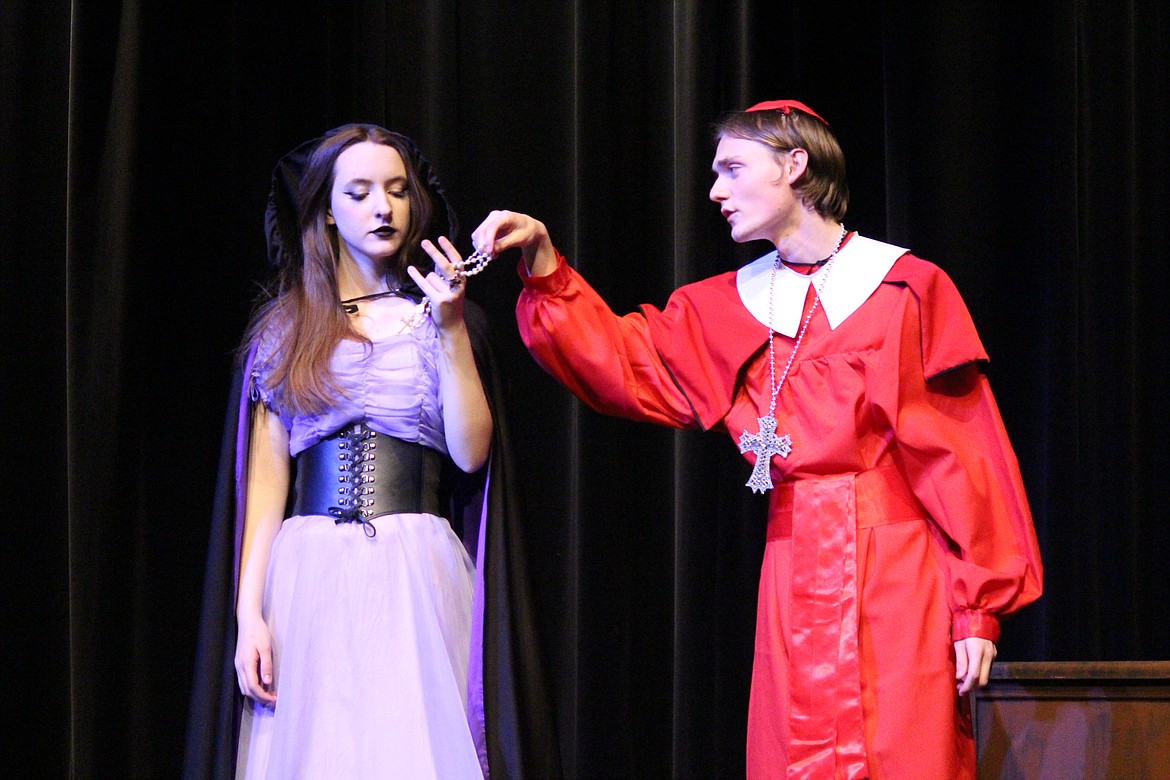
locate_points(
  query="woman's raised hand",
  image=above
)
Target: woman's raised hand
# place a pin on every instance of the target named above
(446, 298)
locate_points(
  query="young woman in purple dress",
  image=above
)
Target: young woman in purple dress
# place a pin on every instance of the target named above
(355, 603)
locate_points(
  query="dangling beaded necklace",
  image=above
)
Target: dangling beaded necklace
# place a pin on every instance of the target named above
(766, 443)
(468, 266)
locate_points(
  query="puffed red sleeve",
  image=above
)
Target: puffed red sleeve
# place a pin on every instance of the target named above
(607, 361)
(955, 452)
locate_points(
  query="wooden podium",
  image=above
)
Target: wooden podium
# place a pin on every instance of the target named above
(1065, 720)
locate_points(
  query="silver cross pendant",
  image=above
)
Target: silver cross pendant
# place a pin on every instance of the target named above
(764, 445)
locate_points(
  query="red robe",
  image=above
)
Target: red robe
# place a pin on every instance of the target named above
(898, 523)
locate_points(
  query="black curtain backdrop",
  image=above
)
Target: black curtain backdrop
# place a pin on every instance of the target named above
(1022, 146)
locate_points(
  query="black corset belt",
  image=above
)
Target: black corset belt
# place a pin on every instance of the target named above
(358, 474)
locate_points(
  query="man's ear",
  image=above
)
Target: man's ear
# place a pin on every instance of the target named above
(797, 164)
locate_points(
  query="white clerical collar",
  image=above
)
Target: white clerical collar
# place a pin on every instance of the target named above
(857, 271)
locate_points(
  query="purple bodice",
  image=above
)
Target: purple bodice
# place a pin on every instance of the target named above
(392, 384)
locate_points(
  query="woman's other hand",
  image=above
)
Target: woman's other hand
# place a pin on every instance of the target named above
(254, 661)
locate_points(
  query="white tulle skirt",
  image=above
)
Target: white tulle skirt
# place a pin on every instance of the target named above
(371, 640)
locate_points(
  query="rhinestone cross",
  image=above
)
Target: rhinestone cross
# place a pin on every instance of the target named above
(764, 444)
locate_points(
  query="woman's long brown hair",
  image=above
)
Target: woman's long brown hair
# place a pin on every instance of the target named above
(299, 317)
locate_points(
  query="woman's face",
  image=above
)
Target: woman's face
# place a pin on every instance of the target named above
(370, 201)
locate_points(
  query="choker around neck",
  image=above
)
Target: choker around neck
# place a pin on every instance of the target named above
(350, 304)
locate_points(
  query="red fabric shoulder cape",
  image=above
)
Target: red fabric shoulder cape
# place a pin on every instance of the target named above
(705, 335)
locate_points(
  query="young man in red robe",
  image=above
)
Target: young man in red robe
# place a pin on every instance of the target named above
(850, 375)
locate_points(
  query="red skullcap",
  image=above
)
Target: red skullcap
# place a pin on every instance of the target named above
(786, 106)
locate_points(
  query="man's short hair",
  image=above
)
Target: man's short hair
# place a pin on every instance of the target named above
(823, 187)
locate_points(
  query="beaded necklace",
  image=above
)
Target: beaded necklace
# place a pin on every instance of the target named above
(766, 443)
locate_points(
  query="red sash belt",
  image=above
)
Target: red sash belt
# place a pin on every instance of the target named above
(821, 515)
(882, 496)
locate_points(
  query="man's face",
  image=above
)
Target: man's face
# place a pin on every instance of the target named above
(752, 189)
